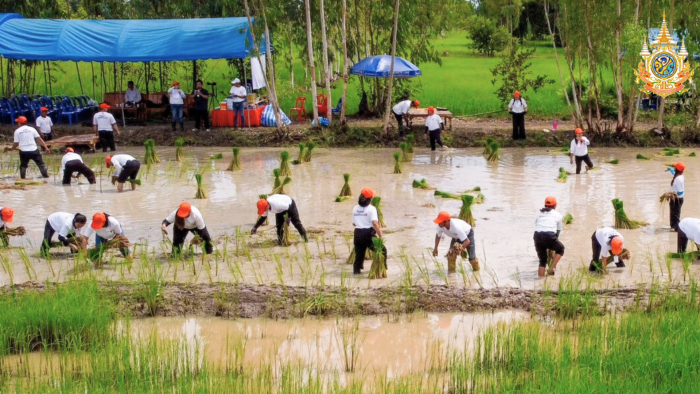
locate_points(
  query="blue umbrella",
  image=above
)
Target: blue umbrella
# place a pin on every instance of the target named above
(380, 67)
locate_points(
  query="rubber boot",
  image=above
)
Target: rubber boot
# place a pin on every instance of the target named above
(173, 124)
(23, 172)
(475, 264)
(44, 172)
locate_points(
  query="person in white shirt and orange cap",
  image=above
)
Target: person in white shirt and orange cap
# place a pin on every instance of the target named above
(71, 163)
(45, 125)
(26, 139)
(106, 227)
(460, 232)
(678, 190)
(518, 108)
(434, 126)
(104, 125)
(280, 205)
(548, 225)
(366, 221)
(187, 219)
(125, 166)
(579, 151)
(606, 241)
(7, 215)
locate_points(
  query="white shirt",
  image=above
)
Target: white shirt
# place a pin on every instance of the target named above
(177, 96)
(402, 107)
(518, 106)
(132, 95)
(195, 220)
(119, 161)
(459, 230)
(362, 217)
(433, 122)
(62, 223)
(104, 121)
(69, 157)
(577, 149)
(678, 186)
(603, 235)
(238, 91)
(548, 222)
(25, 137)
(691, 228)
(44, 123)
(110, 230)
(278, 203)
(2, 222)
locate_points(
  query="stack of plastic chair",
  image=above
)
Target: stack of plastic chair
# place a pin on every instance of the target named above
(69, 111)
(7, 115)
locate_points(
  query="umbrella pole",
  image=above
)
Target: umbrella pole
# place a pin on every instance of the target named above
(245, 85)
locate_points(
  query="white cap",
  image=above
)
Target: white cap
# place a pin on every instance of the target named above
(235, 81)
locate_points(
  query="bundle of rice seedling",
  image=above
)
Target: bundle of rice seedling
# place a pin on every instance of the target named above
(346, 191)
(179, 151)
(13, 232)
(487, 146)
(377, 203)
(562, 175)
(278, 182)
(397, 163)
(447, 195)
(134, 181)
(410, 140)
(235, 164)
(302, 146)
(309, 150)
(495, 149)
(692, 154)
(285, 170)
(465, 213)
(625, 255)
(351, 258)
(378, 268)
(263, 197)
(200, 188)
(151, 155)
(422, 184)
(280, 189)
(217, 156)
(28, 182)
(668, 196)
(285, 232)
(690, 255)
(565, 150)
(342, 198)
(474, 190)
(613, 161)
(454, 252)
(118, 242)
(642, 157)
(568, 219)
(404, 152)
(479, 199)
(621, 219)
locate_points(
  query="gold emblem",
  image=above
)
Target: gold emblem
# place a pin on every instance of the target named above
(664, 70)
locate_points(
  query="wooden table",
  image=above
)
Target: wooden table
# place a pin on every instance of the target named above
(423, 113)
(71, 140)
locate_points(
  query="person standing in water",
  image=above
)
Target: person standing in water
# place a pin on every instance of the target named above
(606, 241)
(187, 218)
(366, 221)
(688, 229)
(678, 190)
(548, 225)
(434, 126)
(26, 139)
(579, 150)
(518, 108)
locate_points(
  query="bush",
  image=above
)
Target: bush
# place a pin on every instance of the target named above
(487, 37)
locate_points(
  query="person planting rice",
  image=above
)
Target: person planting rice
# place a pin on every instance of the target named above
(579, 150)
(280, 205)
(434, 126)
(125, 166)
(26, 139)
(688, 229)
(72, 162)
(518, 108)
(400, 110)
(548, 225)
(675, 202)
(606, 241)
(366, 222)
(106, 228)
(460, 232)
(7, 216)
(68, 226)
(187, 218)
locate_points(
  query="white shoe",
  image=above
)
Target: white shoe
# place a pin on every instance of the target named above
(444, 147)
(195, 129)
(208, 130)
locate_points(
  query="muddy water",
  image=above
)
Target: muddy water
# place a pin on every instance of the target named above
(514, 187)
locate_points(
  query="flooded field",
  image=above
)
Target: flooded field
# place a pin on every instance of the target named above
(514, 188)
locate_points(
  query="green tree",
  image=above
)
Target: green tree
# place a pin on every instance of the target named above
(513, 72)
(487, 38)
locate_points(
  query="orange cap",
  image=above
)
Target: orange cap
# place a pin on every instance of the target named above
(176, 83)
(516, 94)
(416, 103)
(680, 166)
(550, 201)
(69, 150)
(104, 106)
(108, 160)
(184, 210)
(262, 206)
(616, 245)
(98, 220)
(431, 109)
(367, 192)
(443, 217)
(44, 109)
(21, 120)
(7, 214)
(578, 130)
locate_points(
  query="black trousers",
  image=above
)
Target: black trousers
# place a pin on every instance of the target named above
(47, 136)
(48, 235)
(435, 137)
(293, 215)
(34, 156)
(675, 205)
(597, 247)
(518, 126)
(79, 167)
(107, 140)
(584, 158)
(399, 120)
(682, 242)
(179, 236)
(362, 242)
(200, 114)
(130, 170)
(545, 241)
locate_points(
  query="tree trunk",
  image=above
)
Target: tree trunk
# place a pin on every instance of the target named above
(312, 66)
(592, 64)
(556, 57)
(387, 111)
(618, 79)
(291, 56)
(345, 62)
(327, 72)
(633, 99)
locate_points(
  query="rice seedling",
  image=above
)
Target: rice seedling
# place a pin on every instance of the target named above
(564, 149)
(410, 140)
(495, 151)
(621, 219)
(568, 218)
(285, 170)
(422, 184)
(487, 146)
(447, 195)
(397, 163)
(479, 199)
(235, 164)
(285, 232)
(179, 150)
(342, 198)
(613, 161)
(476, 189)
(670, 152)
(377, 203)
(404, 152)
(465, 213)
(278, 182)
(300, 159)
(642, 157)
(217, 156)
(378, 268)
(668, 196)
(201, 193)
(346, 190)
(151, 155)
(309, 151)
(280, 189)
(692, 255)
(692, 154)
(562, 175)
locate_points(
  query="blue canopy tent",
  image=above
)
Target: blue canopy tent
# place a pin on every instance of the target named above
(380, 67)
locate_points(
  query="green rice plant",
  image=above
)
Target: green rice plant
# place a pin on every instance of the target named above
(342, 198)
(568, 219)
(134, 181)
(285, 170)
(479, 199)
(405, 156)
(563, 174)
(613, 161)
(410, 140)
(280, 189)
(447, 195)
(346, 191)
(476, 189)
(487, 146)
(422, 184)
(377, 203)
(642, 157)
(692, 154)
(285, 232)
(378, 268)
(564, 149)
(397, 163)
(151, 155)
(495, 151)
(309, 151)
(201, 194)
(235, 164)
(299, 160)
(668, 196)
(278, 182)
(465, 213)
(217, 156)
(621, 219)
(179, 149)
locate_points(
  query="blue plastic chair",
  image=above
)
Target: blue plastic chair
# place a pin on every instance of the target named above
(6, 112)
(69, 111)
(338, 107)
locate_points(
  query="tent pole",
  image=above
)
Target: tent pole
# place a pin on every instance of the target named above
(194, 74)
(146, 69)
(2, 77)
(92, 67)
(46, 83)
(104, 80)
(120, 88)
(80, 80)
(160, 72)
(34, 81)
(50, 85)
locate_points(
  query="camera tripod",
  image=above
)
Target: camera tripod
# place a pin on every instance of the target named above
(213, 98)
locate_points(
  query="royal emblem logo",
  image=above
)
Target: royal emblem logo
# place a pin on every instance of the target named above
(664, 70)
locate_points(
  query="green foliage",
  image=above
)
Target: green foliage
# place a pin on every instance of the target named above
(404, 152)
(563, 174)
(280, 188)
(613, 161)
(300, 159)
(309, 151)
(487, 37)
(513, 73)
(494, 151)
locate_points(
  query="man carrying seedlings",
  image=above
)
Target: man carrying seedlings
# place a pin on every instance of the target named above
(280, 205)
(688, 229)
(579, 150)
(518, 108)
(25, 139)
(460, 232)
(401, 109)
(187, 218)
(125, 166)
(106, 228)
(606, 241)
(434, 126)
(72, 162)
(104, 125)
(68, 226)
